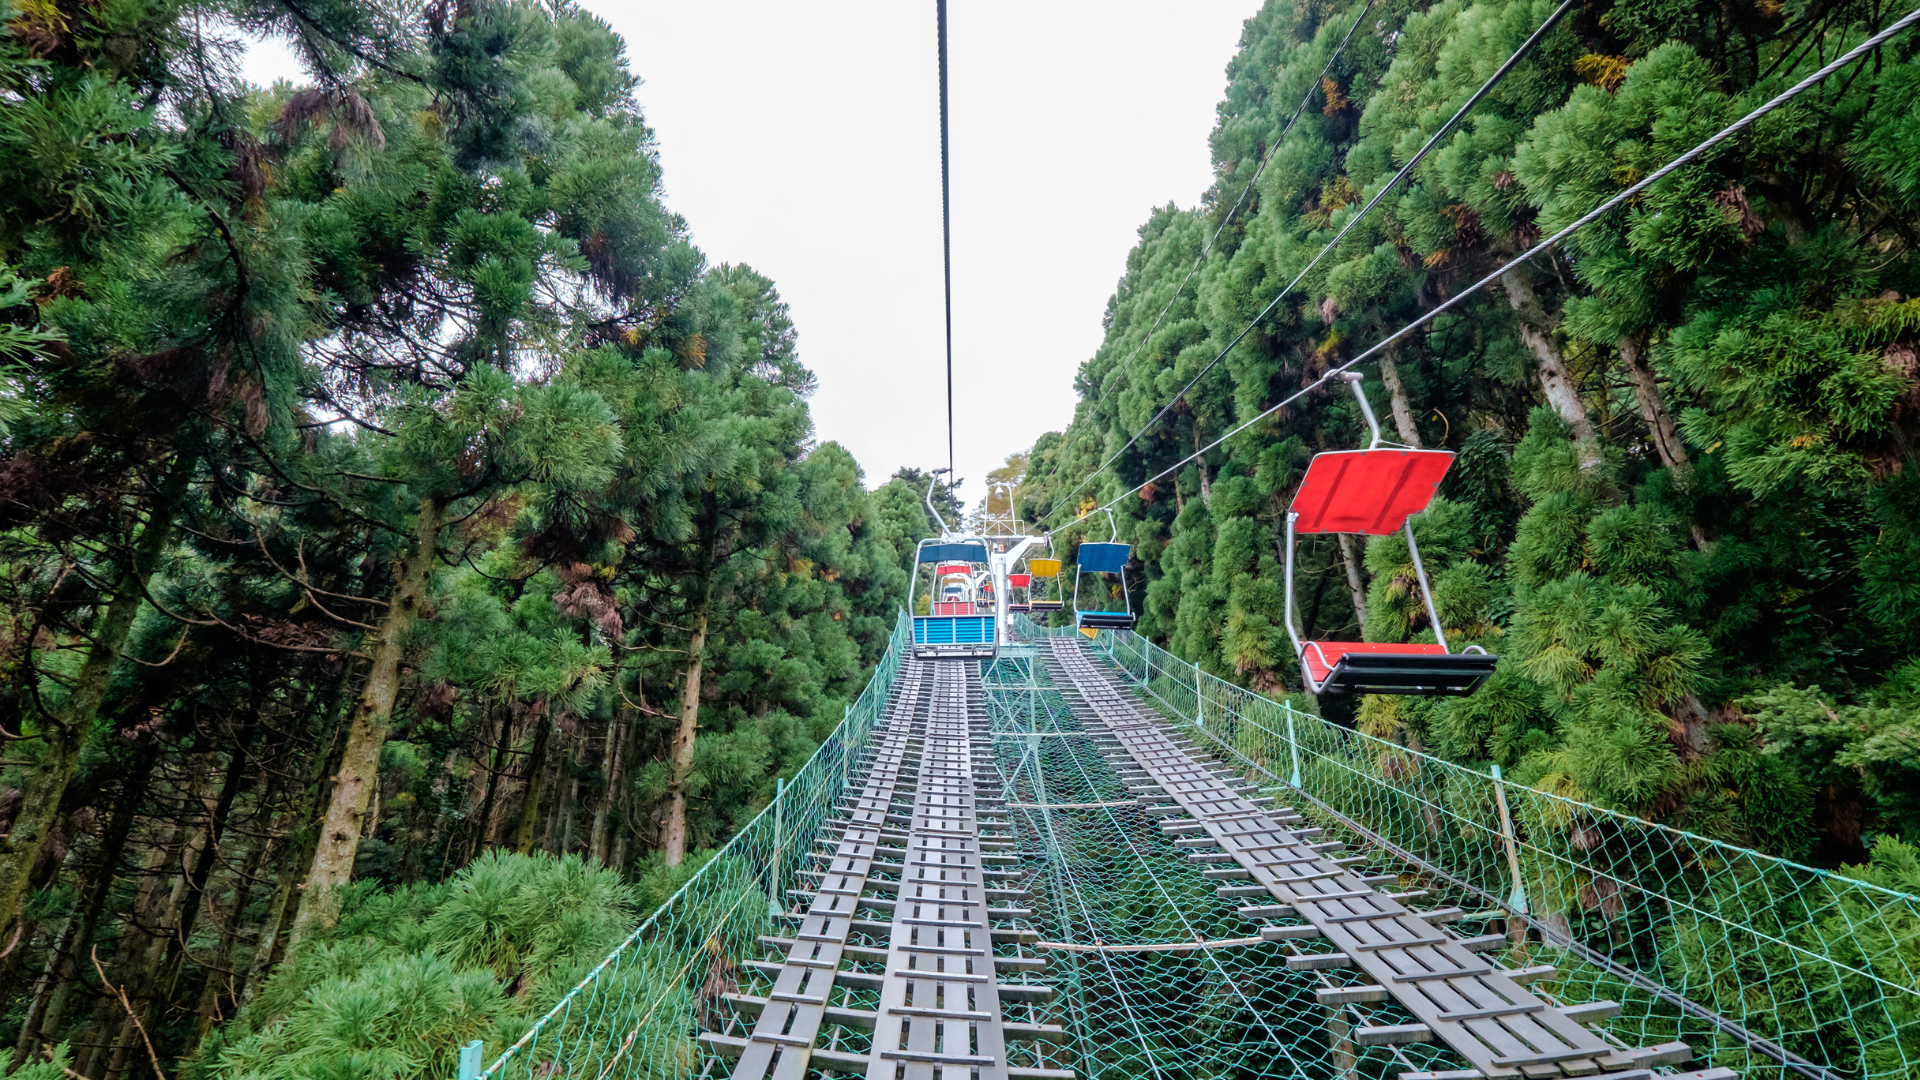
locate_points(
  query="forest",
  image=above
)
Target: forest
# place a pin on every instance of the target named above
(418, 558)
(1685, 507)
(402, 526)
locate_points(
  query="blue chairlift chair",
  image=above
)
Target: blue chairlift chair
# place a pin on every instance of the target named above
(1103, 558)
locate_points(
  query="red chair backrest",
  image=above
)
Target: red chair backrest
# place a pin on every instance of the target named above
(1367, 491)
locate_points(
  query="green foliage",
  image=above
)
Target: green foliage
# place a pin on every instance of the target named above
(390, 420)
(407, 977)
(1725, 499)
(1872, 747)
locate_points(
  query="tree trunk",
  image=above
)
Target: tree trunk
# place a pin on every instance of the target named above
(1653, 407)
(536, 779)
(209, 1008)
(610, 784)
(301, 834)
(66, 737)
(95, 1044)
(359, 775)
(1206, 481)
(230, 784)
(674, 843)
(113, 846)
(566, 817)
(674, 835)
(1397, 394)
(142, 980)
(483, 834)
(1536, 332)
(44, 988)
(1351, 559)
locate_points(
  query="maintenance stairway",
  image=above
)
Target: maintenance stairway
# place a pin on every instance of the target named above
(912, 847)
(901, 966)
(1481, 1011)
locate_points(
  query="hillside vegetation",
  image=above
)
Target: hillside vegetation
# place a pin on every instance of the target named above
(1685, 509)
(413, 551)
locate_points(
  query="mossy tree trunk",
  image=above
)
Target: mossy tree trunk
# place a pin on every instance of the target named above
(344, 822)
(66, 736)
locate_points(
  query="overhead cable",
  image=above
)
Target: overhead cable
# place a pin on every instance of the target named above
(1353, 222)
(1589, 217)
(946, 226)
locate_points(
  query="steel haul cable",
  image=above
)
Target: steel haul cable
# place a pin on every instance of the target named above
(1353, 222)
(1588, 218)
(946, 229)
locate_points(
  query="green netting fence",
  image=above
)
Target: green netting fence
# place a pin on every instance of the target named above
(635, 1015)
(1764, 966)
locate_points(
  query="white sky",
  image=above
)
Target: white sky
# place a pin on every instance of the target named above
(803, 140)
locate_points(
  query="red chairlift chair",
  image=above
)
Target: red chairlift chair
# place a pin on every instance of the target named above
(1374, 492)
(1023, 582)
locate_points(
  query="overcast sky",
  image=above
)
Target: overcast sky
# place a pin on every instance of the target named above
(803, 140)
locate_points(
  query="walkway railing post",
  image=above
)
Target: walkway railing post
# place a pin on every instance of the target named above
(1518, 901)
(1199, 701)
(846, 750)
(470, 1061)
(774, 907)
(1293, 744)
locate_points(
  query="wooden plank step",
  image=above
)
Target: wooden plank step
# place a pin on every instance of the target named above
(1393, 1035)
(1429, 976)
(1283, 933)
(1319, 961)
(1344, 995)
(1591, 1012)
(854, 1018)
(1375, 946)
(1492, 1011)
(1668, 1053)
(1052, 1033)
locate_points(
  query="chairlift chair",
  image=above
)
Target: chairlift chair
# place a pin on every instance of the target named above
(1374, 492)
(1103, 558)
(955, 626)
(1044, 570)
(1024, 583)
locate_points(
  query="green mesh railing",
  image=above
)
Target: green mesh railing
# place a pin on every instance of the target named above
(1156, 974)
(635, 1015)
(1764, 966)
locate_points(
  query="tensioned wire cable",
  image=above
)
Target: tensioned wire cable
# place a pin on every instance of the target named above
(1353, 222)
(1584, 220)
(946, 229)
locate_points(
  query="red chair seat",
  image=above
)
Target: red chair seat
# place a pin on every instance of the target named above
(1323, 656)
(1367, 491)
